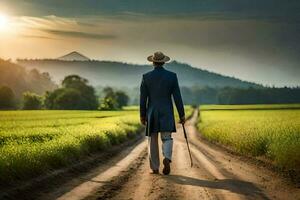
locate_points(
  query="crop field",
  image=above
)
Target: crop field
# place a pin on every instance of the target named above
(251, 107)
(274, 133)
(35, 142)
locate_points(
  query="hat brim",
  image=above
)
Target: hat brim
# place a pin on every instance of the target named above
(165, 59)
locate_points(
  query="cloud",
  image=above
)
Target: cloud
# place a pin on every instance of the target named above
(37, 36)
(65, 27)
(79, 34)
(47, 21)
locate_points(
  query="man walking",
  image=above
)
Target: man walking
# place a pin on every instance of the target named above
(156, 110)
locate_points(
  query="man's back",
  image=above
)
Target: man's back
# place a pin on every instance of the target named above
(157, 89)
(159, 83)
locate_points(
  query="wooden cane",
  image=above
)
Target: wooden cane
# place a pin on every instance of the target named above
(187, 143)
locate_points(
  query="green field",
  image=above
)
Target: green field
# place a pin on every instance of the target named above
(273, 132)
(35, 142)
(251, 107)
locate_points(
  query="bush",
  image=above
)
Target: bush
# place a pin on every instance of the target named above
(113, 100)
(121, 98)
(108, 103)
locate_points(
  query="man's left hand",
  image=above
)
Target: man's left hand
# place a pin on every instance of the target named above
(182, 120)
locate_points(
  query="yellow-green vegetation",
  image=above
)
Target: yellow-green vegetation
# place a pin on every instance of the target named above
(251, 107)
(34, 142)
(274, 133)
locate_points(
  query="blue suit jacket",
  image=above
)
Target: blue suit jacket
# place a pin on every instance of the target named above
(156, 91)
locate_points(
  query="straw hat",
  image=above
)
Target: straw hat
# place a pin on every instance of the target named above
(158, 57)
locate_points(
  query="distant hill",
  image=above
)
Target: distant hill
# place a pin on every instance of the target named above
(120, 74)
(21, 80)
(73, 56)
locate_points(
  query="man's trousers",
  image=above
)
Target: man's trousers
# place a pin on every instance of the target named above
(153, 150)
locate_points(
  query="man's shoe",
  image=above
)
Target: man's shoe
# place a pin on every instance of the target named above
(167, 168)
(156, 171)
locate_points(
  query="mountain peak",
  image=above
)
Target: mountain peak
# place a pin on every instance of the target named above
(74, 56)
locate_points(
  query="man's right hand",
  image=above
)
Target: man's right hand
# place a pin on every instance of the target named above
(143, 120)
(182, 120)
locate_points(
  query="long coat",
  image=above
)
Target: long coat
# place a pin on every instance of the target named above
(156, 91)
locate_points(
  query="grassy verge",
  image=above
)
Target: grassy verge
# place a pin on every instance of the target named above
(274, 133)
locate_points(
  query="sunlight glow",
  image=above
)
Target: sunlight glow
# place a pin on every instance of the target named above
(3, 22)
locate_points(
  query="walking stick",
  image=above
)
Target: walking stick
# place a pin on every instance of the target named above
(187, 143)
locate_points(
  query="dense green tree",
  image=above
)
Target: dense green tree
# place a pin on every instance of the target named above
(50, 97)
(7, 98)
(74, 81)
(89, 99)
(69, 99)
(32, 101)
(121, 98)
(75, 94)
(109, 92)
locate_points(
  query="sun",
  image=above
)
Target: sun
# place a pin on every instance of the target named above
(3, 22)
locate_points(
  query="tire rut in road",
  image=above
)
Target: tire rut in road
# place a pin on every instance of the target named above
(113, 187)
(144, 185)
(180, 184)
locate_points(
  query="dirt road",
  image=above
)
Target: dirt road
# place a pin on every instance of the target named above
(216, 174)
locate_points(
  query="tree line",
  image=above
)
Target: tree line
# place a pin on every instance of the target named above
(74, 94)
(229, 95)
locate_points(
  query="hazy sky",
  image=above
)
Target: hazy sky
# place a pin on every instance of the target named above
(255, 40)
